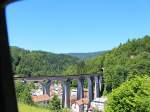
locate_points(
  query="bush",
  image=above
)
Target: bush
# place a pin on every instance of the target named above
(66, 110)
(55, 104)
(23, 93)
(131, 96)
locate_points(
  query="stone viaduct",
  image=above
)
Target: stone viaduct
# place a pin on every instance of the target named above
(94, 81)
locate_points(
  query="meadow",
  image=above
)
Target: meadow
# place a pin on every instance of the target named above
(27, 108)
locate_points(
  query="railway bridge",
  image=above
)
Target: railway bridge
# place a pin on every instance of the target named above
(94, 82)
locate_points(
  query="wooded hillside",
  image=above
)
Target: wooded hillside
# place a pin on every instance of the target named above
(119, 64)
(123, 62)
(37, 63)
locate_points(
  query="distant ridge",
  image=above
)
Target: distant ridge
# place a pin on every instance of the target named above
(84, 56)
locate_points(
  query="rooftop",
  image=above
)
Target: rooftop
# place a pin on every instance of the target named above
(82, 101)
(40, 98)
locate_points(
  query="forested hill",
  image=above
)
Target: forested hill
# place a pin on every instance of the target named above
(122, 63)
(84, 56)
(119, 64)
(37, 63)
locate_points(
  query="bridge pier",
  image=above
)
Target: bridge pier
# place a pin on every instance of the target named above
(48, 87)
(66, 94)
(80, 88)
(63, 95)
(44, 88)
(80, 91)
(101, 85)
(90, 89)
(97, 87)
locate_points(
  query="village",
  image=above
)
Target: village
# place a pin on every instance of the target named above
(40, 96)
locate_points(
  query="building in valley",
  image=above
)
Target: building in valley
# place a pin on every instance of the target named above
(80, 105)
(41, 99)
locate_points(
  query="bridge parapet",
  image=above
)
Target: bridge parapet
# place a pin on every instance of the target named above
(61, 78)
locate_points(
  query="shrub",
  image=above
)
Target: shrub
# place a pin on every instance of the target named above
(55, 104)
(66, 110)
(131, 96)
(23, 93)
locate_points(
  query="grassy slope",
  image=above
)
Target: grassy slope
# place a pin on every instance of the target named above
(27, 108)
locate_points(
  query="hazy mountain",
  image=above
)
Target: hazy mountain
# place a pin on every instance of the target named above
(86, 55)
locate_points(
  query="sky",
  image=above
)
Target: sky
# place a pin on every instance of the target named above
(67, 26)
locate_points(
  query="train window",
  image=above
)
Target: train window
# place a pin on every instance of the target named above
(62, 55)
(8, 99)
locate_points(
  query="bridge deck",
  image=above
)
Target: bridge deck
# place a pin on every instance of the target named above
(70, 77)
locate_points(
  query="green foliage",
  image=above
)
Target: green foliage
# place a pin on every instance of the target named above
(23, 93)
(76, 69)
(94, 66)
(38, 63)
(66, 110)
(96, 109)
(140, 64)
(32, 86)
(122, 63)
(71, 70)
(125, 61)
(55, 104)
(74, 83)
(131, 96)
(117, 65)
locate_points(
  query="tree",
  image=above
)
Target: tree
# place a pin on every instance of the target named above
(75, 69)
(23, 93)
(55, 104)
(71, 70)
(131, 96)
(25, 96)
(125, 61)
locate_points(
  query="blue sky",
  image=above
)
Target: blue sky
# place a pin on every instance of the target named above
(63, 26)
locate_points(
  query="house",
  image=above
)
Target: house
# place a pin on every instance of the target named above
(98, 103)
(85, 93)
(74, 93)
(73, 99)
(37, 92)
(41, 99)
(80, 105)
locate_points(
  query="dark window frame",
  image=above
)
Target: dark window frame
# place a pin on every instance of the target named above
(7, 88)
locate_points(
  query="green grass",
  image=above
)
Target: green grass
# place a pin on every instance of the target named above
(27, 108)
